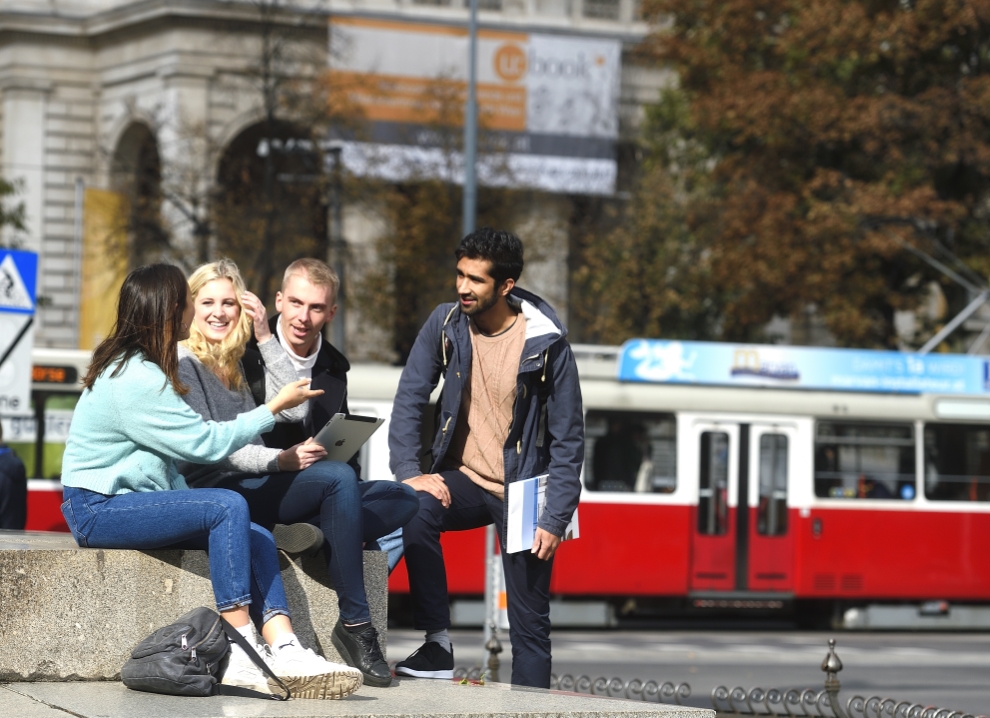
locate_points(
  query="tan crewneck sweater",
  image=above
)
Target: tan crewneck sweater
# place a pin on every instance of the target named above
(486, 407)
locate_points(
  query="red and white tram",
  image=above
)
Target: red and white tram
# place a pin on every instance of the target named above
(752, 489)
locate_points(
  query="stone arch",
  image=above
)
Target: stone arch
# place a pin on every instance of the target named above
(136, 177)
(269, 206)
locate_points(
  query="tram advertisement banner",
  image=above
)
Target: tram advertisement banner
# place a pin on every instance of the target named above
(547, 104)
(683, 362)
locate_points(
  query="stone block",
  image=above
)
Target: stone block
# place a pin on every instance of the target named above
(71, 613)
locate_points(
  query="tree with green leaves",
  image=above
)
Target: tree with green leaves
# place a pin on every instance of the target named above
(816, 153)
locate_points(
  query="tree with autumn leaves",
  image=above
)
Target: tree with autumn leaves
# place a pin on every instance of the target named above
(813, 154)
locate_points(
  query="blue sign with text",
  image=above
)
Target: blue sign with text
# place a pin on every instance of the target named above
(683, 362)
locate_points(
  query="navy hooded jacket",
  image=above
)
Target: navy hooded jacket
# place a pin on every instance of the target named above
(547, 430)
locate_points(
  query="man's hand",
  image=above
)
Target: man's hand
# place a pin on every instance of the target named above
(259, 317)
(300, 456)
(545, 544)
(432, 484)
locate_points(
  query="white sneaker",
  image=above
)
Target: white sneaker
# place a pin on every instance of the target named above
(242, 672)
(311, 676)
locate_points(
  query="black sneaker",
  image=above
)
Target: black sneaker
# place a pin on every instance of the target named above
(298, 538)
(362, 651)
(430, 660)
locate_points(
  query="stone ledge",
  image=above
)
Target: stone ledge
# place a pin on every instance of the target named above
(70, 613)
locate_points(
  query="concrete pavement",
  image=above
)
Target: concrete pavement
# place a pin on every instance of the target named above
(409, 698)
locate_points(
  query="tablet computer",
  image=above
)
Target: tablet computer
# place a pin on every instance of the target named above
(344, 434)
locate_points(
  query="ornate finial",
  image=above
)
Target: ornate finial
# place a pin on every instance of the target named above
(831, 665)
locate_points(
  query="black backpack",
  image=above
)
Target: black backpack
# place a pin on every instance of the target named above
(184, 658)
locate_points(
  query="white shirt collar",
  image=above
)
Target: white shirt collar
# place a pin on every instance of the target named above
(303, 365)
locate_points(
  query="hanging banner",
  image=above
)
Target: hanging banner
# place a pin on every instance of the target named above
(547, 104)
(677, 362)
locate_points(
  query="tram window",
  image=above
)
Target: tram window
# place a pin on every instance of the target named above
(957, 462)
(22, 435)
(713, 489)
(771, 513)
(630, 451)
(864, 461)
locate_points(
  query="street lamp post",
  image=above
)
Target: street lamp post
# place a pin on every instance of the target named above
(337, 245)
(471, 126)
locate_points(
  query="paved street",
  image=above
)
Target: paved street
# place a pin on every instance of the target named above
(948, 670)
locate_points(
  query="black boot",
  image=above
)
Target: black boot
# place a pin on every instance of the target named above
(362, 651)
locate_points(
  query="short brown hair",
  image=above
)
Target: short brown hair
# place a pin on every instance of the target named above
(317, 272)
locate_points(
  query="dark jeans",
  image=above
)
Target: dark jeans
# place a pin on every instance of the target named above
(348, 511)
(13, 491)
(243, 560)
(527, 578)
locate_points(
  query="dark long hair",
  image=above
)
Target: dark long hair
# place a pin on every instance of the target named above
(149, 318)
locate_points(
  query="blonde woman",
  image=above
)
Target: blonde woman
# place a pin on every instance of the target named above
(291, 486)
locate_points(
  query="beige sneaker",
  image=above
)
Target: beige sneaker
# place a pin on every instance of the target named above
(311, 676)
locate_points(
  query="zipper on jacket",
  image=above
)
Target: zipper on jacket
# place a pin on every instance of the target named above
(445, 425)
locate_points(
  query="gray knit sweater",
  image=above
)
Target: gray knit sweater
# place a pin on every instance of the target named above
(215, 402)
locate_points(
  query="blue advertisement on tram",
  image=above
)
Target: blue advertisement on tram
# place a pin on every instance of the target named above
(685, 362)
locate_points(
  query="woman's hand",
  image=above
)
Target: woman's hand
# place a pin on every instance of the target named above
(300, 456)
(291, 396)
(259, 316)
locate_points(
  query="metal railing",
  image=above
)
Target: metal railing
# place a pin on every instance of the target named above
(637, 690)
(730, 702)
(824, 703)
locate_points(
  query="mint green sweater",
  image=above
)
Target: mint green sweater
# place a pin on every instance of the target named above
(128, 431)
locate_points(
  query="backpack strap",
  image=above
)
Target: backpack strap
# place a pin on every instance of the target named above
(236, 637)
(254, 372)
(543, 393)
(445, 346)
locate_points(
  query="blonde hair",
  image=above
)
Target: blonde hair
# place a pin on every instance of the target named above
(221, 358)
(316, 272)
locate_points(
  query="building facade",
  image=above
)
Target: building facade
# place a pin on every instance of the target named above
(92, 90)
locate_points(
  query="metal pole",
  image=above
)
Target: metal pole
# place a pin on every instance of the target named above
(77, 240)
(471, 126)
(956, 321)
(337, 246)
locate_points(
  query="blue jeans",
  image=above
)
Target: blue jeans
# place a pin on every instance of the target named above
(349, 513)
(392, 545)
(243, 559)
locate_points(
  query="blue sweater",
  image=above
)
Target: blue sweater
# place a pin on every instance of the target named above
(128, 431)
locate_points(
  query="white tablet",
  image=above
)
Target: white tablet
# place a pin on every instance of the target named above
(344, 434)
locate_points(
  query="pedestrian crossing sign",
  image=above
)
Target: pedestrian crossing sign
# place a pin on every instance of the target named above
(18, 299)
(18, 281)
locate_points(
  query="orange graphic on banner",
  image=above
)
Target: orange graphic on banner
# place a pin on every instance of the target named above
(393, 98)
(427, 28)
(510, 63)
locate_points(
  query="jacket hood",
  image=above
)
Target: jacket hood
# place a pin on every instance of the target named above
(541, 319)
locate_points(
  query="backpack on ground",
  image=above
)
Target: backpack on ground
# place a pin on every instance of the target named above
(184, 658)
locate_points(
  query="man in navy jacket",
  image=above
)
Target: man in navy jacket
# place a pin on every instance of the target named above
(473, 344)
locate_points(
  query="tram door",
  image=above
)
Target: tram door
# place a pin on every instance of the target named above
(741, 528)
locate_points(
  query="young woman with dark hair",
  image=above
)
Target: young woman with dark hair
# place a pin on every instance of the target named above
(122, 489)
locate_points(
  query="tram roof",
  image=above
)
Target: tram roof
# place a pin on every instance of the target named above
(659, 361)
(663, 375)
